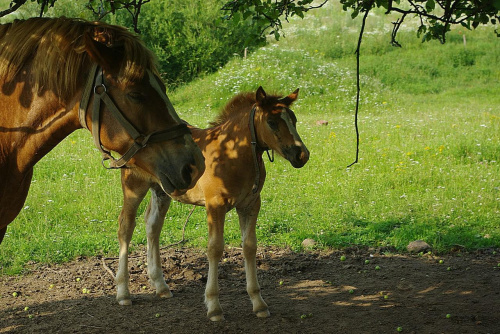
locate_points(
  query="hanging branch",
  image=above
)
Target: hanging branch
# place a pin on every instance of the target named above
(104, 8)
(42, 9)
(268, 14)
(12, 7)
(358, 88)
(395, 30)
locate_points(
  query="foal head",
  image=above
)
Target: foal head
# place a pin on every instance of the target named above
(277, 127)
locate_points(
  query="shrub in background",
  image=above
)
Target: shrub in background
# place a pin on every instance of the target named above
(189, 40)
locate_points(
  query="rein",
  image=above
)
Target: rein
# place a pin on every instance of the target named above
(95, 81)
(254, 150)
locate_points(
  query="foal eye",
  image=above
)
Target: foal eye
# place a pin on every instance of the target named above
(136, 97)
(272, 124)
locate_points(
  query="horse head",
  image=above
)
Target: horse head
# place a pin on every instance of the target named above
(277, 127)
(131, 113)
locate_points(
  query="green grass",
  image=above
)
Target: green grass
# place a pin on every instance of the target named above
(429, 167)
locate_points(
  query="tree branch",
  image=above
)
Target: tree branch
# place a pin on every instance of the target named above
(12, 9)
(133, 7)
(358, 86)
(395, 30)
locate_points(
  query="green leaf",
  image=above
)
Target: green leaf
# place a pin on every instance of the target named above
(421, 30)
(430, 5)
(355, 13)
(465, 24)
(236, 17)
(299, 12)
(246, 14)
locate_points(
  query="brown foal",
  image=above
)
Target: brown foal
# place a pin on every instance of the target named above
(234, 176)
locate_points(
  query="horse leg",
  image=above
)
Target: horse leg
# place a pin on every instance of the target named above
(2, 233)
(248, 221)
(215, 217)
(134, 189)
(154, 217)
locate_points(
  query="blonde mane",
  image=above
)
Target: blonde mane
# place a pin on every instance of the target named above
(56, 54)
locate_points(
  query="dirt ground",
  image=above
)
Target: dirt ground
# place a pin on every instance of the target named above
(308, 292)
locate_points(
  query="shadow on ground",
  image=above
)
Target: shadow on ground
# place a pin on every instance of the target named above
(310, 292)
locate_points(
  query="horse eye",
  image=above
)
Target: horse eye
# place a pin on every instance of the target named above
(272, 124)
(136, 97)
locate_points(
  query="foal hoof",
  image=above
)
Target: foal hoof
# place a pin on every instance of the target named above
(215, 318)
(125, 302)
(216, 315)
(165, 294)
(263, 314)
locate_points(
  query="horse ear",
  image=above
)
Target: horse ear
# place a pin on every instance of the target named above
(260, 95)
(288, 100)
(104, 36)
(101, 47)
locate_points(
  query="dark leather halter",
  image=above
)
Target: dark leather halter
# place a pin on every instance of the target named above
(96, 85)
(257, 158)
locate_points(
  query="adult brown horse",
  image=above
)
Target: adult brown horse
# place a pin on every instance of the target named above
(52, 71)
(234, 176)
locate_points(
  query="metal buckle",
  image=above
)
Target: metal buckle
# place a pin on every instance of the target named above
(103, 86)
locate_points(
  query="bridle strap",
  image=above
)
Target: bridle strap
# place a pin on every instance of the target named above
(140, 140)
(256, 160)
(254, 150)
(169, 134)
(84, 102)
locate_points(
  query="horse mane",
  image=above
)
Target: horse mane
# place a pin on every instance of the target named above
(56, 53)
(242, 103)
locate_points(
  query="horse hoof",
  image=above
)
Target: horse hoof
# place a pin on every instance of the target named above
(263, 314)
(215, 318)
(125, 302)
(165, 294)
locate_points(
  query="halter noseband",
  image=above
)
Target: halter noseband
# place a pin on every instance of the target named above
(95, 84)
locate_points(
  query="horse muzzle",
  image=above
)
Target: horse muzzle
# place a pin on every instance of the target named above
(297, 155)
(176, 179)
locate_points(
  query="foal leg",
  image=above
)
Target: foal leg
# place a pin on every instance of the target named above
(215, 217)
(248, 221)
(134, 189)
(154, 217)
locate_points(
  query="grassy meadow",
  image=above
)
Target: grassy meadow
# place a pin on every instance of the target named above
(429, 155)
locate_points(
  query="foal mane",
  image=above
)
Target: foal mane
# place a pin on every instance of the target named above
(57, 53)
(241, 103)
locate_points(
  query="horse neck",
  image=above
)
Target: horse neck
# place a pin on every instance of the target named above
(36, 127)
(237, 127)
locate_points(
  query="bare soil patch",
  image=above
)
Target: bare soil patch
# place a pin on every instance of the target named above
(308, 292)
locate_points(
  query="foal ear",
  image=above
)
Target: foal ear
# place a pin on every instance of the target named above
(288, 100)
(260, 95)
(101, 46)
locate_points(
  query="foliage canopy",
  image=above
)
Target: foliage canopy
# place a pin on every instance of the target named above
(435, 16)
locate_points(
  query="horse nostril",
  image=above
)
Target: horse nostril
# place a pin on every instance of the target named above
(186, 173)
(306, 156)
(303, 156)
(299, 156)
